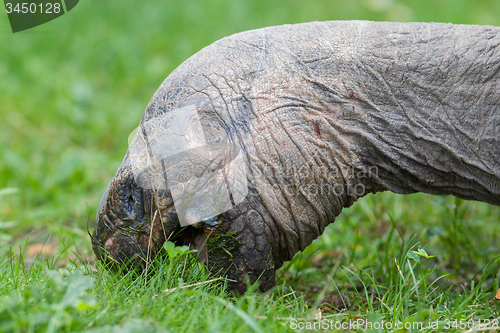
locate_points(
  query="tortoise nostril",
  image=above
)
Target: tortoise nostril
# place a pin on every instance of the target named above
(129, 204)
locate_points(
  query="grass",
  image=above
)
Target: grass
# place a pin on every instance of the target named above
(72, 90)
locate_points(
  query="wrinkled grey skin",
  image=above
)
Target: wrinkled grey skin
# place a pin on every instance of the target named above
(325, 112)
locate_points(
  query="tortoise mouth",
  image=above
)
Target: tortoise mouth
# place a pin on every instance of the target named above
(119, 244)
(193, 237)
(123, 241)
(127, 239)
(133, 224)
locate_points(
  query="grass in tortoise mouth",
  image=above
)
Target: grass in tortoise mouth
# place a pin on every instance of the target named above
(195, 240)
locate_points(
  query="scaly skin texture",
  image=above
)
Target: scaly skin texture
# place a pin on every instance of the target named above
(325, 112)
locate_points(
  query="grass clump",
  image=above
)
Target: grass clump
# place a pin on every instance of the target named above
(174, 295)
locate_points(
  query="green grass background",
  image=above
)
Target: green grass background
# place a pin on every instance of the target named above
(72, 90)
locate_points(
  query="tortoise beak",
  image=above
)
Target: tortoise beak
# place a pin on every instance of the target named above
(123, 235)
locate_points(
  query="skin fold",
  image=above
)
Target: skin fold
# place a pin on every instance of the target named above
(318, 114)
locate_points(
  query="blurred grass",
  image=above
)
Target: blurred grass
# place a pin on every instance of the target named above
(72, 90)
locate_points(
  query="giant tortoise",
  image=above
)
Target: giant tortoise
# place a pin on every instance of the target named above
(252, 146)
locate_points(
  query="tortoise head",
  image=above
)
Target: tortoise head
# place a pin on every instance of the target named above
(187, 176)
(127, 233)
(185, 180)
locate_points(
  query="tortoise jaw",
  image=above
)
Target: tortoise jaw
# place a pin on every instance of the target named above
(133, 223)
(124, 234)
(119, 244)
